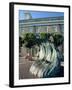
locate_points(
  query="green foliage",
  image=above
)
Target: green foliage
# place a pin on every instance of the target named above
(30, 39)
(43, 35)
(21, 41)
(58, 39)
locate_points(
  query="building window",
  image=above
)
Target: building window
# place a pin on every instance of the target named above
(51, 29)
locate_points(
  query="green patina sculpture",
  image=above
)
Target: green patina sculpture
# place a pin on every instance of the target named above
(47, 61)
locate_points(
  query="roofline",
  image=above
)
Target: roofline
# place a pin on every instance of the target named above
(42, 18)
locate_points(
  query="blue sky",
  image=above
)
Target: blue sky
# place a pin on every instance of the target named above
(40, 14)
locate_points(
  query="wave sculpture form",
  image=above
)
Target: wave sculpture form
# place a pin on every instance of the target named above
(46, 62)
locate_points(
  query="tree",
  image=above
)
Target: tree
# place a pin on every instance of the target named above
(29, 40)
(58, 39)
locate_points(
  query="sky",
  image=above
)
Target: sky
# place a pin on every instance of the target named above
(40, 14)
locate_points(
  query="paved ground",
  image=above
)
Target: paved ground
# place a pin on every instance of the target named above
(24, 66)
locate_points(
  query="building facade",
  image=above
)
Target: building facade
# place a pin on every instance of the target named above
(41, 25)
